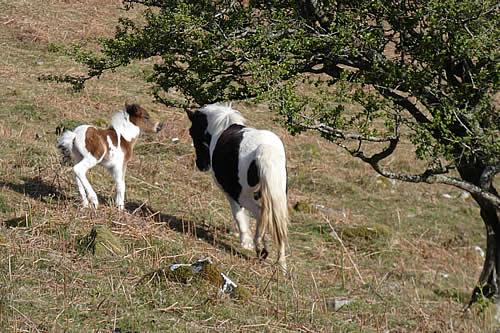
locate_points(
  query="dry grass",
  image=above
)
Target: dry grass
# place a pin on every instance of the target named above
(413, 277)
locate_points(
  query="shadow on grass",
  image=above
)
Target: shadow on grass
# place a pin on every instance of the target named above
(38, 189)
(186, 227)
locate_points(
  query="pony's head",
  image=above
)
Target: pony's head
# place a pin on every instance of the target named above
(201, 138)
(208, 123)
(140, 118)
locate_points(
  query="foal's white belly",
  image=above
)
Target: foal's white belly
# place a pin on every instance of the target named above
(115, 155)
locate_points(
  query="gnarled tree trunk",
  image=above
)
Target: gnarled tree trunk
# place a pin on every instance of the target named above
(487, 285)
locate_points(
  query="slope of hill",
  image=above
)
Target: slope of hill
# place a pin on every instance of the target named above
(407, 259)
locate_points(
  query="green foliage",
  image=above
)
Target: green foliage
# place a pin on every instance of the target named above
(373, 68)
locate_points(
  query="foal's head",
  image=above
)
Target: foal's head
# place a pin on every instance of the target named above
(201, 138)
(140, 118)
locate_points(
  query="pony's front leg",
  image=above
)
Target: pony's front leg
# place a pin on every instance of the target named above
(241, 220)
(118, 173)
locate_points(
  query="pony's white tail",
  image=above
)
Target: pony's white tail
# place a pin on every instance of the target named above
(274, 207)
(65, 145)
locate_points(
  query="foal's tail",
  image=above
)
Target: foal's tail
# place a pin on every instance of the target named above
(65, 145)
(273, 187)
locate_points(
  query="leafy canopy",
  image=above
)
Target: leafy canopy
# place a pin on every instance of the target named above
(368, 71)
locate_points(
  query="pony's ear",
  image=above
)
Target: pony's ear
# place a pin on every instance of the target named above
(190, 114)
(131, 109)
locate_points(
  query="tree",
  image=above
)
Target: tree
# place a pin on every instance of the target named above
(381, 72)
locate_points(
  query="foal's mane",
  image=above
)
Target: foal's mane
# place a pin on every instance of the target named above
(220, 117)
(121, 124)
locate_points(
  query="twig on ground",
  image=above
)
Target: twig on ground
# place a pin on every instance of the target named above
(337, 237)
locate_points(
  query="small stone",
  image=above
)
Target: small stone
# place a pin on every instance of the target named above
(334, 305)
(465, 195)
(479, 250)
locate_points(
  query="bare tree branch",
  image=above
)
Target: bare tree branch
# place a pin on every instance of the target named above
(404, 101)
(434, 175)
(487, 176)
(431, 176)
(333, 132)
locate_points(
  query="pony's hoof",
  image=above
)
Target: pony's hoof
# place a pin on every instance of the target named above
(247, 244)
(284, 270)
(262, 254)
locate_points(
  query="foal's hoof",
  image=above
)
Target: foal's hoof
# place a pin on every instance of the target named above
(262, 254)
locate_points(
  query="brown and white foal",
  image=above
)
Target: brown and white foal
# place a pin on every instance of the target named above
(89, 146)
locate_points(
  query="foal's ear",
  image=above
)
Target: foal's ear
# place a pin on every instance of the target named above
(131, 109)
(190, 114)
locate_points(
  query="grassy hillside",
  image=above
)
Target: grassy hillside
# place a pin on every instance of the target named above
(407, 259)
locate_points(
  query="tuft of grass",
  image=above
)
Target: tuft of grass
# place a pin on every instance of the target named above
(100, 242)
(18, 222)
(304, 207)
(454, 294)
(4, 206)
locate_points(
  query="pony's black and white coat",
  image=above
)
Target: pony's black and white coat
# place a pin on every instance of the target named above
(249, 165)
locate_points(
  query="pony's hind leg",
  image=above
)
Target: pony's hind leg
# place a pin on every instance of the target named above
(261, 244)
(81, 189)
(282, 259)
(80, 170)
(242, 222)
(83, 194)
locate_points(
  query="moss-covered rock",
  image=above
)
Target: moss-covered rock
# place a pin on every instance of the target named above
(370, 232)
(100, 242)
(241, 293)
(304, 207)
(202, 271)
(183, 274)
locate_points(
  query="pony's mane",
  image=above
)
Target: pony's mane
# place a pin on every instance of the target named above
(123, 126)
(220, 117)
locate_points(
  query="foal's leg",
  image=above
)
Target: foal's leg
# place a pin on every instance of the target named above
(80, 170)
(81, 189)
(242, 222)
(118, 173)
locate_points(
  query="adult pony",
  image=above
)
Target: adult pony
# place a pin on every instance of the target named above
(249, 165)
(88, 146)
